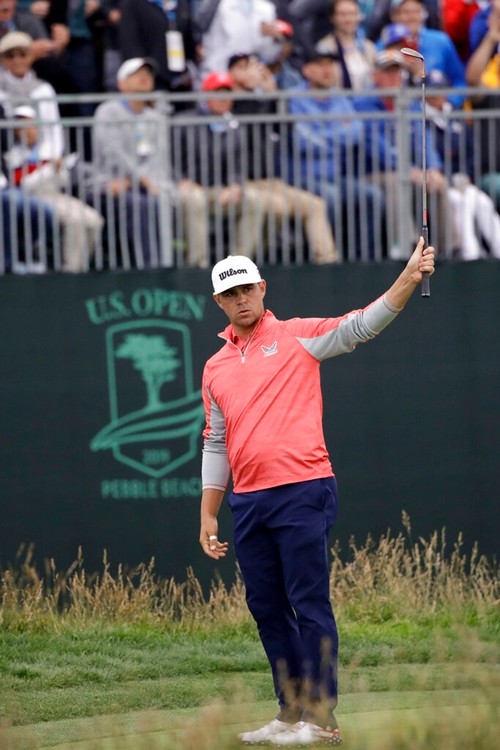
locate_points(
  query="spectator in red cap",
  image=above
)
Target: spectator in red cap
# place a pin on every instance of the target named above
(216, 81)
(281, 200)
(208, 162)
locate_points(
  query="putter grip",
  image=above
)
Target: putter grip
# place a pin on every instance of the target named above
(426, 285)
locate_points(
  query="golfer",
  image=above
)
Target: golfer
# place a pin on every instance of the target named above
(263, 406)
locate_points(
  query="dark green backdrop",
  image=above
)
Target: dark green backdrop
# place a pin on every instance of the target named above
(411, 419)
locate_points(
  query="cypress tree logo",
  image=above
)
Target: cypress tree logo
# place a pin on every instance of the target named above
(156, 415)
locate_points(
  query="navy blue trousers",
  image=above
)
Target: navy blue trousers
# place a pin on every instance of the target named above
(281, 542)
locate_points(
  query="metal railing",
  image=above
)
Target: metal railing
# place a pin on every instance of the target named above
(287, 209)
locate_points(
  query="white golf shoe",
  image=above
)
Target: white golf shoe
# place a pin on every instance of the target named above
(303, 734)
(263, 735)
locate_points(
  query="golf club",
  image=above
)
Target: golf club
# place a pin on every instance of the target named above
(426, 291)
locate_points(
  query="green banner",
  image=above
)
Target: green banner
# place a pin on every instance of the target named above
(102, 414)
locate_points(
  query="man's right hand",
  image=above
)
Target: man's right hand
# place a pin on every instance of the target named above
(209, 541)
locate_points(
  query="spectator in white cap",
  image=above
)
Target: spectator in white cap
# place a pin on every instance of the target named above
(48, 180)
(46, 28)
(18, 81)
(163, 31)
(129, 156)
(131, 164)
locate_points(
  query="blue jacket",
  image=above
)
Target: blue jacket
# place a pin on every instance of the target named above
(325, 143)
(380, 147)
(440, 54)
(478, 28)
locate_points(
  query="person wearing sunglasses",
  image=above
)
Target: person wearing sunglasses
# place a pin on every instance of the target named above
(19, 83)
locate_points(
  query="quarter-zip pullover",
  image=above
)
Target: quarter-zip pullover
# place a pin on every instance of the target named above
(263, 401)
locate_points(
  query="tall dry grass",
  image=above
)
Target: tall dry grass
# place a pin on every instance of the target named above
(389, 579)
(396, 577)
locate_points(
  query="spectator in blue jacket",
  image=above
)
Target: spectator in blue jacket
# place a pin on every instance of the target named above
(436, 46)
(380, 15)
(324, 153)
(382, 155)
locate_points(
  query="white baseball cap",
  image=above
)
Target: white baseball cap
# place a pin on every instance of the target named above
(25, 112)
(233, 271)
(15, 40)
(131, 66)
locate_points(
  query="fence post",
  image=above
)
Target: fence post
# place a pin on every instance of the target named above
(166, 197)
(404, 220)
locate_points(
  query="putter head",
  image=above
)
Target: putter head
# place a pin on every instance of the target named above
(411, 52)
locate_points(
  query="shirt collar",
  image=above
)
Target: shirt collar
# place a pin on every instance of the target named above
(229, 335)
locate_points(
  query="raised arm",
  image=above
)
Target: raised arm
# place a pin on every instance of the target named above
(421, 261)
(484, 52)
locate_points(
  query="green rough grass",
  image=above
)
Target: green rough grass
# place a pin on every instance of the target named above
(118, 668)
(415, 620)
(372, 721)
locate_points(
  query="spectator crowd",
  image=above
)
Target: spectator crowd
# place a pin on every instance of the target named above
(333, 174)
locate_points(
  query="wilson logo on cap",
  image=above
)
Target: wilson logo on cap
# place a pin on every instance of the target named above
(228, 272)
(231, 272)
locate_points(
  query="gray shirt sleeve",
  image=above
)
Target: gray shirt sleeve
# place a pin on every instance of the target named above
(356, 328)
(215, 468)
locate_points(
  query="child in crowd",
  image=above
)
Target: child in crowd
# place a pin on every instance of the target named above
(47, 180)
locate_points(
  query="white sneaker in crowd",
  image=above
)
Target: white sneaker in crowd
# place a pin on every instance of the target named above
(264, 734)
(304, 733)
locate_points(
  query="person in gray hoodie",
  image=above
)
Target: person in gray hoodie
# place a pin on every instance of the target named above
(128, 178)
